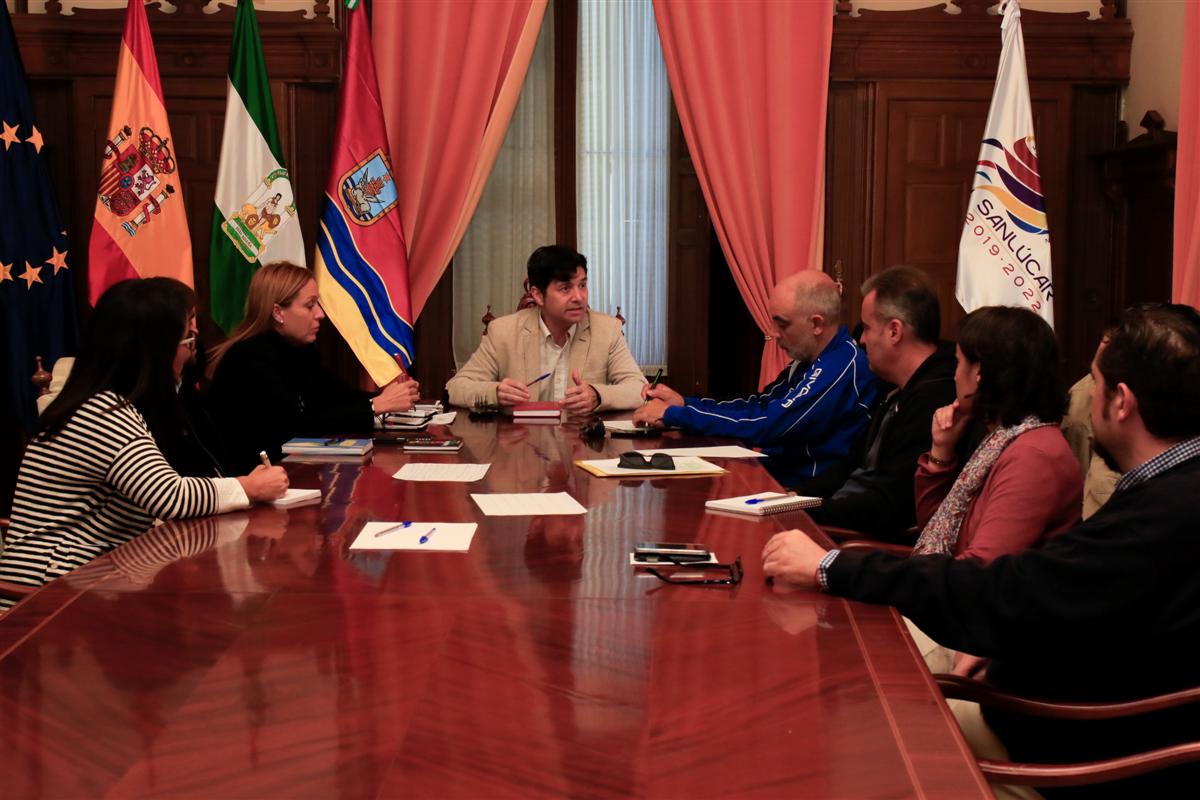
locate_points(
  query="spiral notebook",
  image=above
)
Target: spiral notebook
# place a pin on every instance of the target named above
(763, 503)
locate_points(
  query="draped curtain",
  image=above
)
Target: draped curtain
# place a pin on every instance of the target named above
(516, 211)
(621, 171)
(750, 79)
(1185, 286)
(450, 75)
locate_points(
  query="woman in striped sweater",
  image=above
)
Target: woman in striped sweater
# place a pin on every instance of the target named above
(94, 475)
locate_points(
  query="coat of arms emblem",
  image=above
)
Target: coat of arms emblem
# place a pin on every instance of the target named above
(262, 215)
(132, 184)
(368, 189)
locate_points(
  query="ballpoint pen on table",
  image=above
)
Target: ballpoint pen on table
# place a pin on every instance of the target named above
(425, 538)
(391, 528)
(538, 379)
(756, 500)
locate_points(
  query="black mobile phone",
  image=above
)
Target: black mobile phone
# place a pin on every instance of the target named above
(672, 548)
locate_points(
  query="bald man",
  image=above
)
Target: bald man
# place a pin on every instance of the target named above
(812, 413)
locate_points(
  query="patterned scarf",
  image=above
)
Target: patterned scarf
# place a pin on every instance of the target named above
(941, 534)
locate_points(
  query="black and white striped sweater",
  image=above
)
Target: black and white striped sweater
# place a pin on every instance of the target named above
(100, 481)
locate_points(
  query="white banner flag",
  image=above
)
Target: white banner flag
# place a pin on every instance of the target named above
(1004, 253)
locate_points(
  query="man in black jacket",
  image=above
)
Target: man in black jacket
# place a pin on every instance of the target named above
(871, 490)
(1104, 612)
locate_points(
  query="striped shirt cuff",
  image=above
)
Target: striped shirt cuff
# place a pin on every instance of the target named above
(823, 569)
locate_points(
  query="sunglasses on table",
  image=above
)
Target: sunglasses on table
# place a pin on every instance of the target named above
(635, 460)
(725, 574)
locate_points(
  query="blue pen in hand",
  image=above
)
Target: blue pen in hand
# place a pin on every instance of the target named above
(538, 379)
(391, 528)
(425, 538)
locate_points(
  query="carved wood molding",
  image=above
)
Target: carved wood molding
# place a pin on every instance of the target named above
(187, 44)
(931, 43)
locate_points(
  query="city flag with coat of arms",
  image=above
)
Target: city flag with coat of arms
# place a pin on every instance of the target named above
(1004, 252)
(254, 219)
(140, 228)
(361, 263)
(37, 295)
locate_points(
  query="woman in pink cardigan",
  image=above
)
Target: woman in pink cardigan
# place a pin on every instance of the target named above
(1022, 484)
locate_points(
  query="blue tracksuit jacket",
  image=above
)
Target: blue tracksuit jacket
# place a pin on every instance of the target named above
(805, 420)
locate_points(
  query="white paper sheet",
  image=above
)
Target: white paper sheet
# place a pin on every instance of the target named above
(625, 425)
(527, 505)
(724, 451)
(298, 497)
(443, 419)
(450, 473)
(442, 536)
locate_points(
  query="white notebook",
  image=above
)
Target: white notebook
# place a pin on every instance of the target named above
(763, 503)
(298, 497)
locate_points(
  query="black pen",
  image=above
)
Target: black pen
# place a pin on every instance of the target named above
(657, 378)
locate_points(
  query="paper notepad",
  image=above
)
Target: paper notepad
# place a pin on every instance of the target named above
(527, 505)
(298, 497)
(440, 536)
(451, 473)
(763, 503)
(685, 466)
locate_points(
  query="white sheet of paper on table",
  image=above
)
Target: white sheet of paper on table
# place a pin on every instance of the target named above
(443, 419)
(447, 473)
(528, 504)
(452, 537)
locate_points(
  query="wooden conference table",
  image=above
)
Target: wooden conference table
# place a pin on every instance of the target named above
(253, 655)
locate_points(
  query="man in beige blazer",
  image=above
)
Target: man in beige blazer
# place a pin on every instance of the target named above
(559, 350)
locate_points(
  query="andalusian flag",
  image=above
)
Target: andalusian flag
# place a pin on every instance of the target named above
(362, 259)
(140, 228)
(254, 218)
(1004, 251)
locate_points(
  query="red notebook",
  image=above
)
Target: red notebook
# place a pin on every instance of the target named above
(542, 409)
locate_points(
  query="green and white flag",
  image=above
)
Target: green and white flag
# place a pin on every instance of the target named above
(254, 219)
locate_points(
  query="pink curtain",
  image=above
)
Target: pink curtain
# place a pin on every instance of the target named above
(750, 79)
(1185, 288)
(450, 75)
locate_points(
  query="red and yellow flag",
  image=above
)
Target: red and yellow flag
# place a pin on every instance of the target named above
(140, 228)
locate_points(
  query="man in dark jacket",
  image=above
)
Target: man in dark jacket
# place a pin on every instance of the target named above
(1105, 612)
(871, 490)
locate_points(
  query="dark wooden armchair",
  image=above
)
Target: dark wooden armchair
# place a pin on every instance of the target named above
(12, 591)
(1092, 772)
(848, 539)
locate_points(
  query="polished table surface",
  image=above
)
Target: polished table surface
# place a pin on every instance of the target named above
(255, 655)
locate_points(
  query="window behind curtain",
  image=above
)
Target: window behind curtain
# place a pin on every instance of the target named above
(623, 146)
(516, 211)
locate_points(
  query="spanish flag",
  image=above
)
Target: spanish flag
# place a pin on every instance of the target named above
(140, 228)
(362, 259)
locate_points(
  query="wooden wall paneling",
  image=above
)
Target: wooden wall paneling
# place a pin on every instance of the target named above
(689, 243)
(566, 46)
(434, 364)
(849, 161)
(933, 66)
(1095, 233)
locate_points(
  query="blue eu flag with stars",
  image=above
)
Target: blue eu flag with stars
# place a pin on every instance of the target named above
(37, 296)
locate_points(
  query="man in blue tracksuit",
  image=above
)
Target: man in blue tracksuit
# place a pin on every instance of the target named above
(813, 412)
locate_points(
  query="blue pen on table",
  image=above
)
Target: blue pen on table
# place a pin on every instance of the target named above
(425, 538)
(391, 528)
(753, 501)
(538, 379)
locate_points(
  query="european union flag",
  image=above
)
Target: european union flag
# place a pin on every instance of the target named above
(37, 296)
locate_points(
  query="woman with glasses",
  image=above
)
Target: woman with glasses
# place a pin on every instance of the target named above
(268, 385)
(95, 474)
